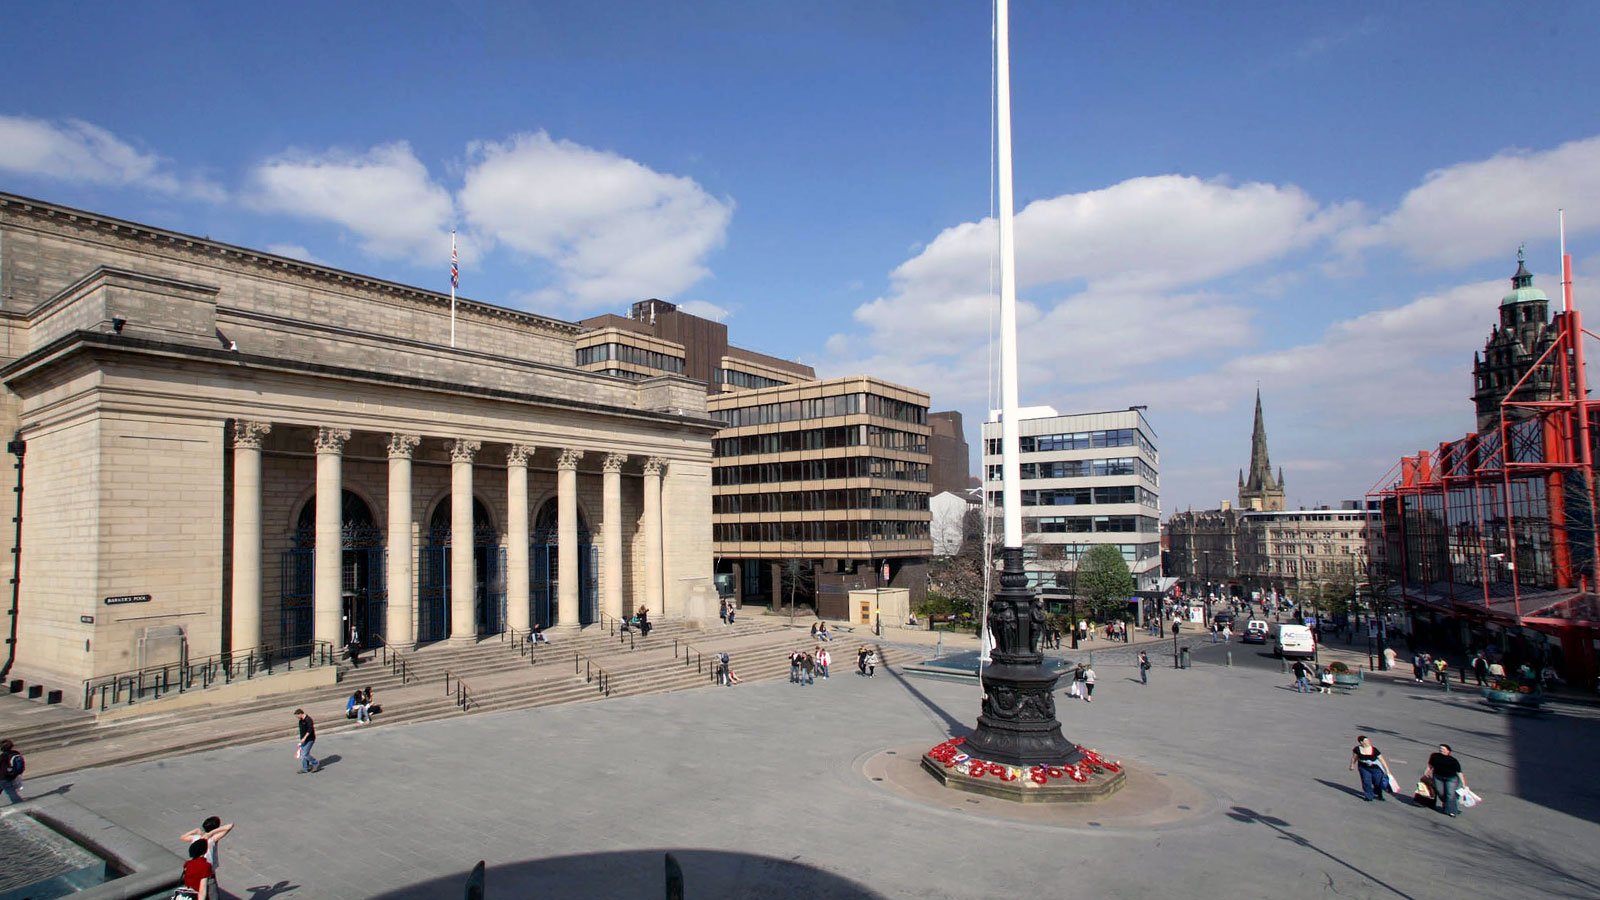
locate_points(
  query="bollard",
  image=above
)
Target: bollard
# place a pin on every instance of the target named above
(1283, 664)
(1230, 659)
(1184, 655)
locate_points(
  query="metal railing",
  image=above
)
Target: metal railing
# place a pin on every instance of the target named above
(524, 644)
(591, 672)
(154, 682)
(620, 630)
(703, 665)
(391, 657)
(462, 692)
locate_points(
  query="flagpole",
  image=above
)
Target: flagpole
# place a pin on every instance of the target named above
(454, 277)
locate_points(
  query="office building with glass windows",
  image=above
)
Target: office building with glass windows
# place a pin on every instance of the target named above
(819, 489)
(1087, 479)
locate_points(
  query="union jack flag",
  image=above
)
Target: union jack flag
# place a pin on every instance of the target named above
(455, 268)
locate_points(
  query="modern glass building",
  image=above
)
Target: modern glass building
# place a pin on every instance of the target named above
(1087, 479)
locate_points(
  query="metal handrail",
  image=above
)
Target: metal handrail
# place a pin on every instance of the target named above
(392, 658)
(153, 682)
(463, 693)
(614, 628)
(592, 672)
(690, 654)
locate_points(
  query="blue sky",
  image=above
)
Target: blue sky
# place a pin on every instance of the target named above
(1325, 199)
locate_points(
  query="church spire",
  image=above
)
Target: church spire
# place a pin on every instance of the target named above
(1260, 489)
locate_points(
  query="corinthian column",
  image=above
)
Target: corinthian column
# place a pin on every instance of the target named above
(463, 587)
(326, 603)
(567, 536)
(400, 627)
(517, 535)
(247, 533)
(611, 527)
(654, 563)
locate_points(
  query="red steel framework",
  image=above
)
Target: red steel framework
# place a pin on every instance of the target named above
(1549, 440)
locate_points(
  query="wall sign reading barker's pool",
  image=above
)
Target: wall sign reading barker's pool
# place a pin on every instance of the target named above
(129, 598)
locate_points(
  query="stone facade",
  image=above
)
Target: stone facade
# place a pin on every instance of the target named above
(181, 404)
(1288, 551)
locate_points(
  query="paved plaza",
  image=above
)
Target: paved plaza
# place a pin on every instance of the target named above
(1240, 789)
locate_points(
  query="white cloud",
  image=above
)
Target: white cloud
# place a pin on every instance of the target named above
(293, 251)
(614, 229)
(1483, 209)
(1105, 275)
(385, 196)
(74, 150)
(705, 310)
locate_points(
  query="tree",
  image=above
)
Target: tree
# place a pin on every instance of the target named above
(1104, 582)
(958, 579)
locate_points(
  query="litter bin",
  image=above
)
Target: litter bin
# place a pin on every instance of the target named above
(1183, 658)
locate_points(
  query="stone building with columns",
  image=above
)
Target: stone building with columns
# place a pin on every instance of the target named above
(194, 425)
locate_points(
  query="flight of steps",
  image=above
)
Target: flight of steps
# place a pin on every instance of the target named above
(499, 676)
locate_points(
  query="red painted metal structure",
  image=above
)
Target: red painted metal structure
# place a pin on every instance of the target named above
(1495, 533)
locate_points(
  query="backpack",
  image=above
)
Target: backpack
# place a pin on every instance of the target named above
(14, 766)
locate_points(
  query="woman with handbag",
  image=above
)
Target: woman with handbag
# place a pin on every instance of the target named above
(1445, 770)
(1375, 776)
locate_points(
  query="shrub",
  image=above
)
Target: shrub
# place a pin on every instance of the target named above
(1339, 668)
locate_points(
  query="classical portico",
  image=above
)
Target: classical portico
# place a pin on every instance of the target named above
(254, 451)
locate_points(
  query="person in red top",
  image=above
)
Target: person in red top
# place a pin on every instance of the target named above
(197, 872)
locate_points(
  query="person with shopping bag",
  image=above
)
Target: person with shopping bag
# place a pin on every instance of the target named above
(1449, 784)
(1375, 775)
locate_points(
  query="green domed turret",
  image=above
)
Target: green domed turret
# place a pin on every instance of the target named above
(1522, 289)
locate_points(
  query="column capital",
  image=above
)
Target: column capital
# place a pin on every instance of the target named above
(464, 450)
(248, 435)
(331, 440)
(654, 465)
(517, 454)
(401, 446)
(569, 458)
(613, 462)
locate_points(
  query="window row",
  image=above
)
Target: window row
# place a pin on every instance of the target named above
(1078, 440)
(776, 532)
(629, 354)
(1085, 468)
(806, 501)
(815, 469)
(1122, 493)
(736, 378)
(1071, 552)
(1090, 524)
(820, 439)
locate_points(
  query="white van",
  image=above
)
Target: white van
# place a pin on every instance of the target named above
(1293, 641)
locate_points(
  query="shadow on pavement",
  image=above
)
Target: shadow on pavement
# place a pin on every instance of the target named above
(1245, 814)
(266, 891)
(953, 727)
(640, 873)
(1342, 788)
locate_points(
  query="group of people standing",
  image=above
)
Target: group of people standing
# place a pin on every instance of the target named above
(805, 667)
(727, 612)
(1442, 782)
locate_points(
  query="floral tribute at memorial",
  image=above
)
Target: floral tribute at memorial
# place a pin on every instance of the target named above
(1090, 763)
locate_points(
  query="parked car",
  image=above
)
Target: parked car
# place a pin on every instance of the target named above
(1255, 632)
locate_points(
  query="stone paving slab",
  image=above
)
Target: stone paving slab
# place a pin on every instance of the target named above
(760, 789)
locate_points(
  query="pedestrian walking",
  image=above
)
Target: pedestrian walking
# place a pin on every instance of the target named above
(861, 660)
(1445, 770)
(732, 611)
(808, 668)
(1374, 769)
(1441, 669)
(12, 765)
(794, 667)
(1480, 667)
(722, 612)
(1227, 633)
(1089, 678)
(212, 830)
(1417, 667)
(308, 738)
(823, 660)
(1144, 667)
(872, 663)
(1302, 677)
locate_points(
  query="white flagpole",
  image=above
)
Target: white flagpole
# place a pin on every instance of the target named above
(453, 276)
(1010, 442)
